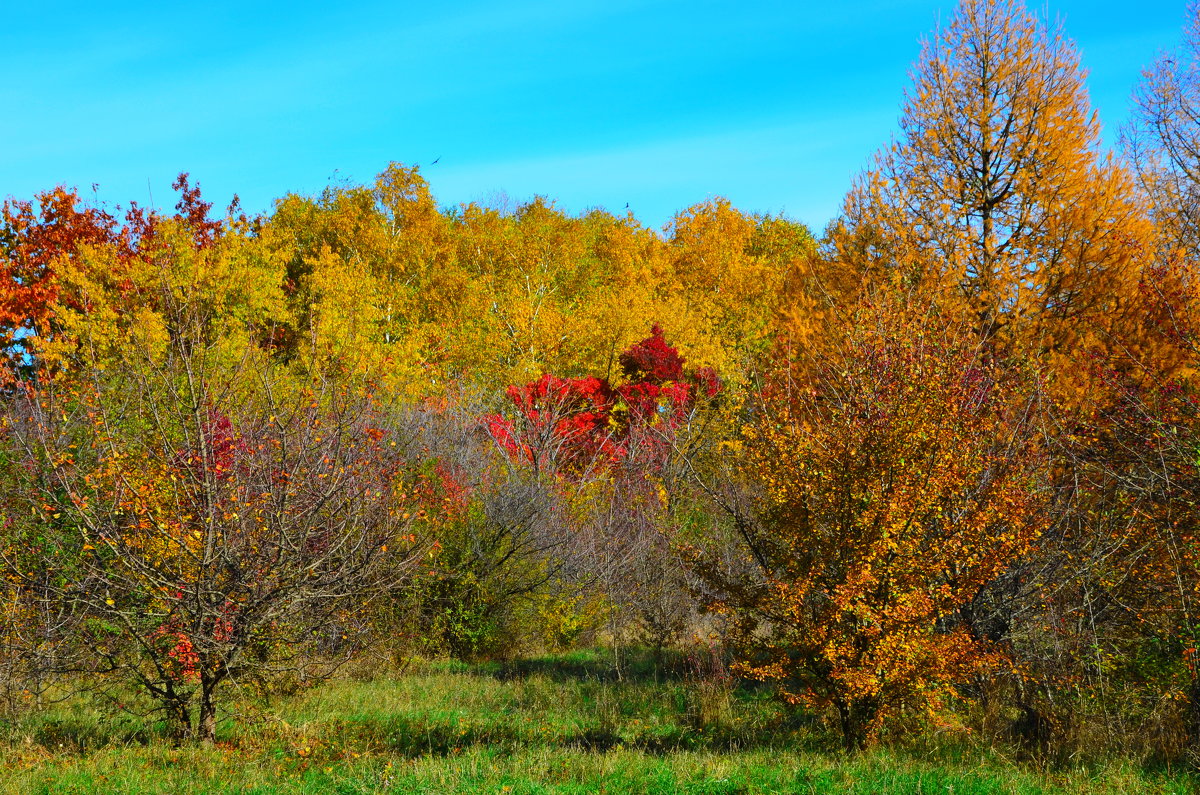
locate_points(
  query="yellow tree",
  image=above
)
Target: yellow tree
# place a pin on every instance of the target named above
(996, 189)
(729, 267)
(380, 279)
(368, 270)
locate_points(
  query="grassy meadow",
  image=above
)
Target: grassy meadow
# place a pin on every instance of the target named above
(564, 724)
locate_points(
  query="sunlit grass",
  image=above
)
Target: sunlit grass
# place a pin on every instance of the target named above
(562, 725)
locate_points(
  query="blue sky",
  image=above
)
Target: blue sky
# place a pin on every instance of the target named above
(657, 105)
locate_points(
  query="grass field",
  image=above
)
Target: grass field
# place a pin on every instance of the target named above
(552, 725)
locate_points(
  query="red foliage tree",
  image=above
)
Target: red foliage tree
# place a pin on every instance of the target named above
(580, 424)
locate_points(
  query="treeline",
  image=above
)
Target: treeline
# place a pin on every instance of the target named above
(938, 470)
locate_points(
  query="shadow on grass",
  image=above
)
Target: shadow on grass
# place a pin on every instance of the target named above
(595, 727)
(414, 739)
(639, 668)
(636, 666)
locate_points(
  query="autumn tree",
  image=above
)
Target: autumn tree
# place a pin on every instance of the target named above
(997, 198)
(380, 279)
(365, 265)
(202, 515)
(995, 192)
(733, 264)
(571, 425)
(34, 237)
(897, 473)
(1127, 590)
(1149, 432)
(217, 548)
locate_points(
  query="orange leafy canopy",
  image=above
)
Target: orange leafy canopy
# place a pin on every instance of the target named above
(898, 480)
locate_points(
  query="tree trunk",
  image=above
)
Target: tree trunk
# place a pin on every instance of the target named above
(178, 716)
(856, 717)
(206, 729)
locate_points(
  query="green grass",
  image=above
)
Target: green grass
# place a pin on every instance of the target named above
(553, 725)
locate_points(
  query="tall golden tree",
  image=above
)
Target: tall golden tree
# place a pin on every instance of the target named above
(996, 188)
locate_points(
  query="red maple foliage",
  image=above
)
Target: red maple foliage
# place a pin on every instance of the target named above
(569, 425)
(652, 360)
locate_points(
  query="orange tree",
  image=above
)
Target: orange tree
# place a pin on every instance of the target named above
(997, 185)
(997, 195)
(897, 471)
(1146, 433)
